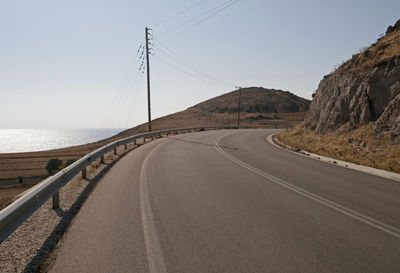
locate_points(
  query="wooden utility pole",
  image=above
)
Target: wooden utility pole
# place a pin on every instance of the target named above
(148, 76)
(240, 100)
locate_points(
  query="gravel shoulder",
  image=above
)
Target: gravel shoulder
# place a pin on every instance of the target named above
(29, 248)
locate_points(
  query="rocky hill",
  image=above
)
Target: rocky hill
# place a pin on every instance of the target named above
(259, 106)
(362, 90)
(355, 112)
(256, 100)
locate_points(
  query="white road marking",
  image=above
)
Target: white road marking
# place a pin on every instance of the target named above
(154, 254)
(395, 177)
(339, 208)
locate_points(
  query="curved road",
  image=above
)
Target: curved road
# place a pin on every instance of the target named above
(228, 201)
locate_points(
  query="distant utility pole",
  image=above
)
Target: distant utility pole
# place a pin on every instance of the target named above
(147, 30)
(240, 100)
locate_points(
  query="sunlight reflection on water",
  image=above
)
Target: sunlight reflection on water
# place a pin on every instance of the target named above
(29, 140)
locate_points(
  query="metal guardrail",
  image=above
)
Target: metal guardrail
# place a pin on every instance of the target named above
(16, 213)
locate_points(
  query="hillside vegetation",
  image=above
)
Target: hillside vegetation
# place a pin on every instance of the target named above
(355, 112)
(379, 53)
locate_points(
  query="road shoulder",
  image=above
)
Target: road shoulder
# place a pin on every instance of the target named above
(271, 139)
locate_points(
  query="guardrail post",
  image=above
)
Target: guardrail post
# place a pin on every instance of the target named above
(115, 151)
(56, 200)
(126, 146)
(102, 159)
(84, 173)
(144, 139)
(134, 141)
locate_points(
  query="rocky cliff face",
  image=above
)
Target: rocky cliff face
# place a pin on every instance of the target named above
(364, 89)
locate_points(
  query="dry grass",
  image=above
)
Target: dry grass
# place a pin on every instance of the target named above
(361, 146)
(382, 51)
(8, 195)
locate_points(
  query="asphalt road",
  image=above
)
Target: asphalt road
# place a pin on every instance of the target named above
(228, 201)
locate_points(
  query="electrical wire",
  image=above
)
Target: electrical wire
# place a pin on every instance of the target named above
(200, 21)
(133, 106)
(178, 13)
(189, 65)
(183, 71)
(131, 85)
(194, 18)
(121, 90)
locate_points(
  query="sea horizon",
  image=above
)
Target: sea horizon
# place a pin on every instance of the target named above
(34, 140)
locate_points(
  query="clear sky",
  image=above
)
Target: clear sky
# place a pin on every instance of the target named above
(71, 64)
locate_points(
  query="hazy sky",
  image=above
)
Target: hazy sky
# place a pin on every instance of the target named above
(63, 64)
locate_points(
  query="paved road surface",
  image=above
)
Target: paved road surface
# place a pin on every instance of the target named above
(227, 201)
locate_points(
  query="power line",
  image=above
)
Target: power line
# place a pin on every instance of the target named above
(132, 86)
(116, 97)
(123, 98)
(179, 13)
(148, 37)
(202, 20)
(133, 105)
(121, 90)
(183, 71)
(187, 64)
(190, 65)
(194, 18)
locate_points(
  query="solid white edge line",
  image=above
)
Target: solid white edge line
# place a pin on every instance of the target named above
(154, 254)
(339, 208)
(344, 164)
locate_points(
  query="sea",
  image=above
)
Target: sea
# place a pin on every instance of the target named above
(30, 140)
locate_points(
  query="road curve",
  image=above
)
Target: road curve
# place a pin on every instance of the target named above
(228, 201)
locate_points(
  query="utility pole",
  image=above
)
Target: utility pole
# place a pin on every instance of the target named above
(240, 100)
(148, 76)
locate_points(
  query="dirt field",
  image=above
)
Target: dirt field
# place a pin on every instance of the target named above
(8, 195)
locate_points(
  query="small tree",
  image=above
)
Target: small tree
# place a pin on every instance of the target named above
(53, 164)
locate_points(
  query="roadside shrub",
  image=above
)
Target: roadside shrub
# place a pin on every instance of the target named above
(53, 164)
(69, 162)
(313, 126)
(298, 132)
